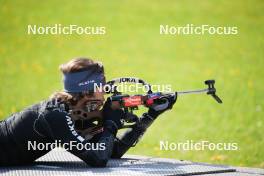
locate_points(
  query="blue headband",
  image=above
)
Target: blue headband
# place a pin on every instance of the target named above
(82, 81)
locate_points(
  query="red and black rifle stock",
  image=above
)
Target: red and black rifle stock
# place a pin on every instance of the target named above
(131, 102)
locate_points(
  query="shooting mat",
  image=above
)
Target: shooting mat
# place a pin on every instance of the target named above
(60, 162)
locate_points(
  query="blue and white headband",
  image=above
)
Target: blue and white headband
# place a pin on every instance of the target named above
(82, 81)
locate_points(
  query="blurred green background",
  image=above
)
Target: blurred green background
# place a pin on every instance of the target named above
(133, 46)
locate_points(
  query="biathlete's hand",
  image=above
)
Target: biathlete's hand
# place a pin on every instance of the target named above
(112, 117)
(165, 103)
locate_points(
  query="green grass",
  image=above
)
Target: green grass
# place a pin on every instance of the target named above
(133, 47)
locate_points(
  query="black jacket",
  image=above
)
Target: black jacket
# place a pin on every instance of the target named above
(48, 122)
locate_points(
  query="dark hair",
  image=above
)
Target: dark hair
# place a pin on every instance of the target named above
(81, 64)
(77, 65)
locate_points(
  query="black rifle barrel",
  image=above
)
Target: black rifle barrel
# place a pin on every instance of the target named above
(193, 91)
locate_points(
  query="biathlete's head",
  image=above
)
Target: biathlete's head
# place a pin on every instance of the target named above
(80, 76)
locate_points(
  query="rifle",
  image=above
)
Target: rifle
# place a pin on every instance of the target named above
(131, 102)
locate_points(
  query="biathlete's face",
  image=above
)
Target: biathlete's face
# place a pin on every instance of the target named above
(97, 97)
